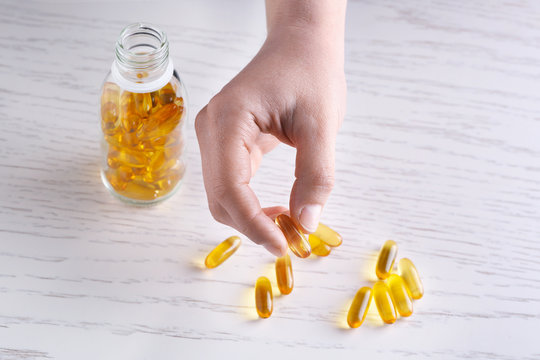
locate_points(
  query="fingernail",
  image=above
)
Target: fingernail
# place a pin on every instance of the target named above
(309, 217)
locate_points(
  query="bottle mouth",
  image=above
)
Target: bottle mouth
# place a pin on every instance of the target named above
(142, 47)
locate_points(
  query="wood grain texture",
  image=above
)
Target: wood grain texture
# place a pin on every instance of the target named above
(439, 151)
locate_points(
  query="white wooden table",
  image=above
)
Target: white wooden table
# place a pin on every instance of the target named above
(440, 151)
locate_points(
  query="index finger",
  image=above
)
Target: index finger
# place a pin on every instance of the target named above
(226, 164)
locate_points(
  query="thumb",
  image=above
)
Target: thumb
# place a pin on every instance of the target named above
(315, 153)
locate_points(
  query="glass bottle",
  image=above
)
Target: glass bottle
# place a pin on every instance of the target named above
(143, 117)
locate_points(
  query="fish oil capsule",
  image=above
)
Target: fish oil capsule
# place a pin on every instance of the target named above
(400, 295)
(408, 272)
(327, 235)
(222, 252)
(359, 307)
(383, 300)
(167, 94)
(119, 178)
(284, 274)
(318, 247)
(139, 190)
(264, 300)
(109, 118)
(385, 261)
(295, 238)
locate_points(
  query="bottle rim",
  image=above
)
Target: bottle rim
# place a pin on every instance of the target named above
(142, 46)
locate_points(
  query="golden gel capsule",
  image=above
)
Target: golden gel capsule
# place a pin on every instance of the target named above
(359, 307)
(385, 261)
(400, 295)
(318, 247)
(296, 239)
(408, 272)
(222, 252)
(263, 297)
(383, 300)
(327, 235)
(284, 274)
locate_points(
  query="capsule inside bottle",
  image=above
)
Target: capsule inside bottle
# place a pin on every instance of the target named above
(386, 259)
(222, 252)
(318, 247)
(400, 295)
(295, 238)
(284, 274)
(359, 307)
(263, 297)
(328, 235)
(410, 276)
(383, 300)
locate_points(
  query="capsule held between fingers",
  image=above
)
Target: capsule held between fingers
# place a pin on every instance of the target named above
(222, 252)
(295, 238)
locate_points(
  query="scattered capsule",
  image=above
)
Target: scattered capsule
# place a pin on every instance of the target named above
(222, 252)
(284, 274)
(318, 247)
(296, 239)
(400, 295)
(263, 297)
(327, 235)
(359, 307)
(385, 261)
(383, 300)
(408, 272)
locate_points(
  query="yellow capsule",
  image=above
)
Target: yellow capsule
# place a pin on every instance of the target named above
(109, 118)
(110, 93)
(400, 295)
(167, 94)
(139, 190)
(383, 300)
(327, 235)
(134, 159)
(143, 103)
(167, 183)
(408, 272)
(222, 252)
(359, 307)
(318, 247)
(295, 238)
(385, 261)
(119, 178)
(284, 274)
(264, 300)
(163, 121)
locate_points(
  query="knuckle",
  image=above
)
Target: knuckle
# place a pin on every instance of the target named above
(218, 212)
(324, 182)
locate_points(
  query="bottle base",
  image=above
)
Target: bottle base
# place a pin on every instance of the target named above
(138, 202)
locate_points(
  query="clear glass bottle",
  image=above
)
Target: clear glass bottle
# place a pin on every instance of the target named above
(143, 118)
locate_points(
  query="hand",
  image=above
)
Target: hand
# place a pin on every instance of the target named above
(293, 91)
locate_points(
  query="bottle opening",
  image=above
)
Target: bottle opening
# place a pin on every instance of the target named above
(142, 47)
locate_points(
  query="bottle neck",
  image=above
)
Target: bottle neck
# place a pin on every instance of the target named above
(142, 54)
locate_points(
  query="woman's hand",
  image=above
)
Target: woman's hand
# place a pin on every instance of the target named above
(293, 91)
